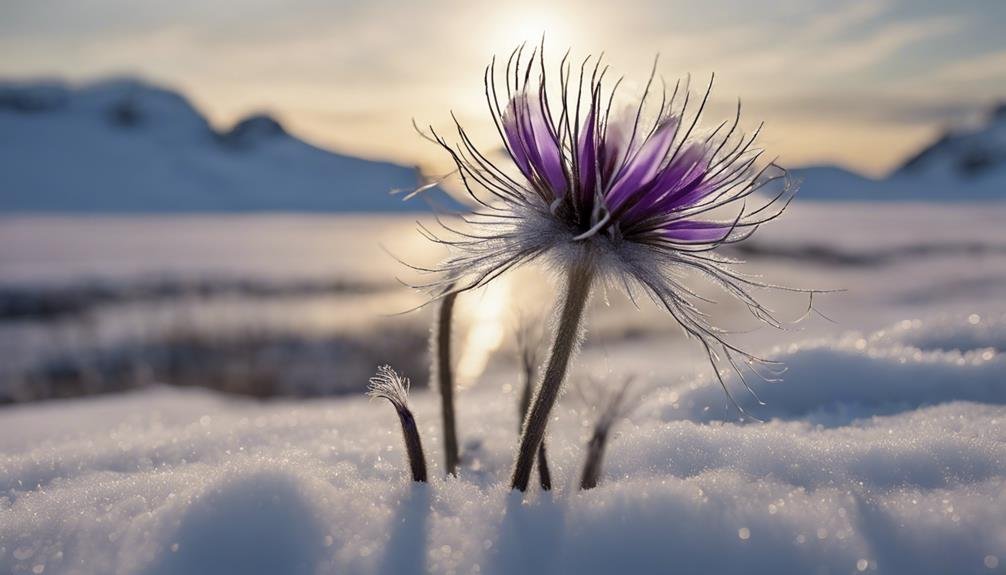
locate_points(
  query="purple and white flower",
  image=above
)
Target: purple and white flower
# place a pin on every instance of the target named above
(634, 199)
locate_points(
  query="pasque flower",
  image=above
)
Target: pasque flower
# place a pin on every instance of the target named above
(634, 197)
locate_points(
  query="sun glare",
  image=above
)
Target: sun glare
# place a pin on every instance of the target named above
(519, 25)
(485, 316)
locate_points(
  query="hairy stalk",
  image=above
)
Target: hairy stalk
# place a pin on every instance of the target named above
(445, 379)
(390, 385)
(578, 283)
(544, 474)
(595, 456)
(413, 446)
(616, 406)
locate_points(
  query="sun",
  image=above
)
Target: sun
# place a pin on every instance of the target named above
(517, 25)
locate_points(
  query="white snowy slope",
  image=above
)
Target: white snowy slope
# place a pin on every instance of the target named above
(962, 165)
(884, 453)
(124, 146)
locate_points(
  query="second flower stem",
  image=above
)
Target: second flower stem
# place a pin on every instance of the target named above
(445, 378)
(578, 284)
(413, 445)
(544, 474)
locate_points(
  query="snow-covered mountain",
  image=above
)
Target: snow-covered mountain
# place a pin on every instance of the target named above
(961, 165)
(123, 145)
(972, 154)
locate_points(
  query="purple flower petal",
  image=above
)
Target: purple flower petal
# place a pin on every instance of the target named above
(630, 187)
(680, 184)
(613, 146)
(694, 231)
(518, 150)
(587, 159)
(534, 145)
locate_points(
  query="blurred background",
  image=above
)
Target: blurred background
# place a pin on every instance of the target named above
(197, 193)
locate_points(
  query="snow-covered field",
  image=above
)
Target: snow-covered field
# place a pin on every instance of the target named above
(884, 449)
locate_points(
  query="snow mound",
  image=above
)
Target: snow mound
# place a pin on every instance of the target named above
(261, 522)
(886, 453)
(907, 366)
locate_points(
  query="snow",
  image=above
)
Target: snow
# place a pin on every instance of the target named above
(883, 449)
(123, 146)
(971, 151)
(879, 454)
(833, 382)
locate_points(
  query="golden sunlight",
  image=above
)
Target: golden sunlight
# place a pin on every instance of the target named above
(523, 24)
(485, 316)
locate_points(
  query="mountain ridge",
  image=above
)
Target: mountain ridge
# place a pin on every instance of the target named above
(960, 165)
(122, 145)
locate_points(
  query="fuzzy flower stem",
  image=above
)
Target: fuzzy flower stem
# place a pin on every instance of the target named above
(544, 474)
(388, 384)
(595, 456)
(445, 378)
(578, 283)
(414, 447)
(618, 405)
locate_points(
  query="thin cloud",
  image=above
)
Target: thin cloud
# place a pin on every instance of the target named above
(989, 66)
(844, 18)
(878, 47)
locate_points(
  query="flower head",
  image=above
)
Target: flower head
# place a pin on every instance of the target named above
(644, 195)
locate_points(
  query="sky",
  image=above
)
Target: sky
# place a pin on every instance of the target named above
(858, 83)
